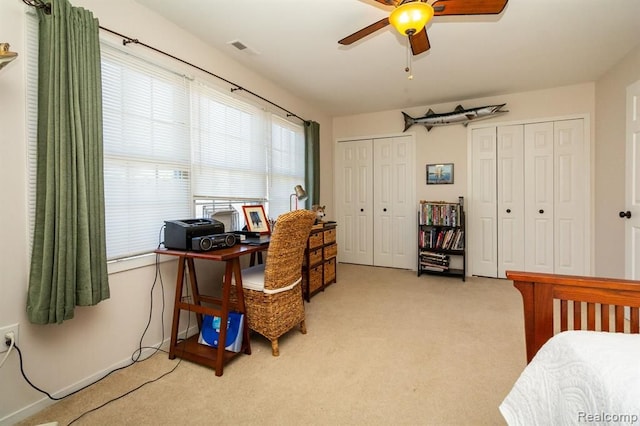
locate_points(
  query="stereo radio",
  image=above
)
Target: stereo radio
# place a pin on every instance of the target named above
(211, 242)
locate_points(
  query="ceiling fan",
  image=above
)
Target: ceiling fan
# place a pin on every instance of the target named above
(409, 17)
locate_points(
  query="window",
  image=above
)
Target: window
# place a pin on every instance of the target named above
(287, 163)
(147, 158)
(229, 146)
(176, 147)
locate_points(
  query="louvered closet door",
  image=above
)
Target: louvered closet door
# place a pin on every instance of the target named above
(510, 195)
(482, 235)
(354, 178)
(539, 197)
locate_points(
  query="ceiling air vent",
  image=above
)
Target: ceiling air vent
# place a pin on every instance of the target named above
(242, 47)
(238, 45)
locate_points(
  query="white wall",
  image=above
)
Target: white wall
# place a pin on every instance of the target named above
(59, 358)
(448, 144)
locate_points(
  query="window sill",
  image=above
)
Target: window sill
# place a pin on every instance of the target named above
(144, 260)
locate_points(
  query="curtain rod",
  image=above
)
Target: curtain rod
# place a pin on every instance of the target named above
(40, 4)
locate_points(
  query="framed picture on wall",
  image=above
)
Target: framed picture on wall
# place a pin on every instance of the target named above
(438, 174)
(255, 219)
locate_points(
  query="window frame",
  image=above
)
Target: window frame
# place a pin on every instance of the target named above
(120, 264)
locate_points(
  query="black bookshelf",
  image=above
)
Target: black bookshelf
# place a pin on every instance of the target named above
(441, 238)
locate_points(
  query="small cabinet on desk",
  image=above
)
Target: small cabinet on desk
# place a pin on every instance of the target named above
(319, 266)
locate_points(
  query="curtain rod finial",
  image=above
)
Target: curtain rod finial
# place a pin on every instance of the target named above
(39, 4)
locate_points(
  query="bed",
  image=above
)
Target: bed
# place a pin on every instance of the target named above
(583, 351)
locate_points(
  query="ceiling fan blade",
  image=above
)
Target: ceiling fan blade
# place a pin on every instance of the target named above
(365, 32)
(419, 42)
(389, 2)
(468, 7)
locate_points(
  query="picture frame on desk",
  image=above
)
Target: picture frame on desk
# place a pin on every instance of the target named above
(256, 219)
(438, 174)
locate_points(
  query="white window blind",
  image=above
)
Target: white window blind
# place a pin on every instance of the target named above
(31, 114)
(229, 146)
(146, 151)
(287, 164)
(169, 141)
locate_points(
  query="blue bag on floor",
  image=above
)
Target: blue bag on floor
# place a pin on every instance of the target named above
(210, 333)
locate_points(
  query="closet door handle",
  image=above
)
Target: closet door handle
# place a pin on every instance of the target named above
(626, 214)
(508, 210)
(384, 210)
(540, 211)
(361, 210)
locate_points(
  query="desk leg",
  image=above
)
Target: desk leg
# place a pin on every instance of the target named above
(252, 261)
(224, 314)
(246, 343)
(176, 307)
(195, 293)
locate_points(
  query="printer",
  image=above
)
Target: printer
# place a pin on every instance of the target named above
(178, 234)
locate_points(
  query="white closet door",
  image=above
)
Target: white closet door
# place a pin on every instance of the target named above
(570, 181)
(632, 182)
(510, 188)
(539, 197)
(483, 236)
(394, 205)
(354, 175)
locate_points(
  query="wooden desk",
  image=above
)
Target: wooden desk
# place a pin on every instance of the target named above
(189, 348)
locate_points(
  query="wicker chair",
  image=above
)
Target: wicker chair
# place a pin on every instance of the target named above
(273, 291)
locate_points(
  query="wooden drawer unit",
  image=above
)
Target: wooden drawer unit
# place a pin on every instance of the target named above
(320, 260)
(315, 240)
(315, 278)
(314, 257)
(330, 251)
(329, 272)
(329, 236)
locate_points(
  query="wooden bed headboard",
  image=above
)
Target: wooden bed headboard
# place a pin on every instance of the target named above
(554, 303)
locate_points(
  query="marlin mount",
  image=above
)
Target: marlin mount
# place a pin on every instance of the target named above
(457, 116)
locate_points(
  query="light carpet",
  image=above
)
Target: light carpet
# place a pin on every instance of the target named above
(383, 347)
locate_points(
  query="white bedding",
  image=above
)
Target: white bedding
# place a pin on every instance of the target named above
(579, 377)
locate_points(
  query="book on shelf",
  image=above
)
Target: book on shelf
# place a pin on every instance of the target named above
(433, 254)
(439, 213)
(448, 239)
(434, 268)
(458, 244)
(435, 264)
(435, 260)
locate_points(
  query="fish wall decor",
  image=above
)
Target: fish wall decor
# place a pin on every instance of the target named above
(457, 116)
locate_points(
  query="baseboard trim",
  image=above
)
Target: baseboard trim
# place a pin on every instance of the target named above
(45, 402)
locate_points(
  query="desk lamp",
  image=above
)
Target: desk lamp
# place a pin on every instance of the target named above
(300, 195)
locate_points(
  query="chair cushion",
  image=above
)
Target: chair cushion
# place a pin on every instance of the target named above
(253, 279)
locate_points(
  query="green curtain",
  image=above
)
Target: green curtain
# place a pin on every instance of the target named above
(68, 263)
(312, 145)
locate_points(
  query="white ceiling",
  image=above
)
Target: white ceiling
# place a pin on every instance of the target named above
(533, 44)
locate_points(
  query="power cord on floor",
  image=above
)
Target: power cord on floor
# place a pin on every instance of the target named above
(135, 356)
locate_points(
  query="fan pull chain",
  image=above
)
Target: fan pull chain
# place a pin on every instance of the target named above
(407, 69)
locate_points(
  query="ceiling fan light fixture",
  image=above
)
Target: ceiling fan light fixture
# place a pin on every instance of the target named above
(410, 18)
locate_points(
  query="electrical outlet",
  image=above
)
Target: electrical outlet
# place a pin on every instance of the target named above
(3, 332)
